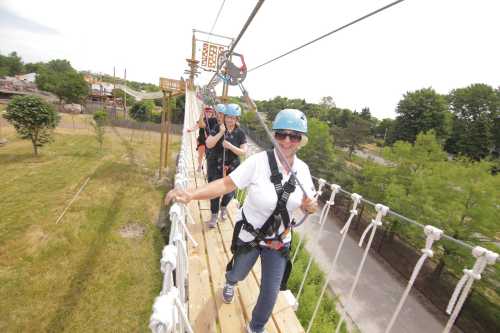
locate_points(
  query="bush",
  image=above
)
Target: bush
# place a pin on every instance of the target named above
(327, 317)
(33, 119)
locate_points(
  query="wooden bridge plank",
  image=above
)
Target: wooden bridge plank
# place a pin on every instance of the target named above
(230, 315)
(248, 289)
(202, 307)
(283, 316)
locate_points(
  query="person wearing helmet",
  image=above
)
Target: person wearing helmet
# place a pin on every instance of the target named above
(226, 143)
(203, 124)
(264, 221)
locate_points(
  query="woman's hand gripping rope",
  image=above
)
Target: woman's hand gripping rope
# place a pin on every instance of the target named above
(309, 205)
(178, 195)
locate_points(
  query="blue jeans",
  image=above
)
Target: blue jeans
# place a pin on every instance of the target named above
(273, 265)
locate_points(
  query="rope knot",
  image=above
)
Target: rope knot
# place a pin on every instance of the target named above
(428, 252)
(472, 274)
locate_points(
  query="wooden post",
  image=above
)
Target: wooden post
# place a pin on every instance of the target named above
(193, 59)
(125, 94)
(162, 130)
(167, 128)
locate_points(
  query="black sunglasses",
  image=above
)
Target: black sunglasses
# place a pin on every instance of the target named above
(292, 136)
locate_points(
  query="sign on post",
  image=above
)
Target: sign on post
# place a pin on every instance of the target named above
(172, 85)
(210, 55)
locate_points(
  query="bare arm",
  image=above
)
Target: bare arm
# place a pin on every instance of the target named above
(211, 190)
(242, 150)
(213, 139)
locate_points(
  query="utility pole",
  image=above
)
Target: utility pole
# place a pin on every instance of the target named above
(125, 93)
(192, 63)
(162, 133)
(167, 128)
(113, 92)
(170, 88)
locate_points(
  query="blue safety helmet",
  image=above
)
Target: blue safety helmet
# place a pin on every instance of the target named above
(233, 110)
(290, 119)
(220, 108)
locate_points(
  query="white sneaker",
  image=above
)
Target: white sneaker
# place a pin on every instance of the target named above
(228, 293)
(213, 221)
(223, 213)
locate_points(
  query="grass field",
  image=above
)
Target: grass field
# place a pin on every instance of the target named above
(98, 269)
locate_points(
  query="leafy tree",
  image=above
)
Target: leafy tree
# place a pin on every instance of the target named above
(461, 197)
(34, 67)
(33, 119)
(353, 136)
(61, 79)
(366, 114)
(421, 111)
(319, 151)
(100, 118)
(327, 102)
(384, 129)
(476, 132)
(141, 111)
(10, 65)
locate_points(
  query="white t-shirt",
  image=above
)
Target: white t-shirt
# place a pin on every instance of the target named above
(260, 202)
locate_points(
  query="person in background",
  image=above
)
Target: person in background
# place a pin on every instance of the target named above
(203, 125)
(263, 227)
(227, 143)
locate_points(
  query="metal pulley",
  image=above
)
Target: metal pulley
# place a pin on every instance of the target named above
(228, 71)
(209, 95)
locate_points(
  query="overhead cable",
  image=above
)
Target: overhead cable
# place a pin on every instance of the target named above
(247, 23)
(217, 17)
(328, 34)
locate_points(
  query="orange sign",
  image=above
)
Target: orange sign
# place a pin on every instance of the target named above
(210, 55)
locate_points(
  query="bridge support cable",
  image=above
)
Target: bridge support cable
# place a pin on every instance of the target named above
(236, 41)
(432, 234)
(327, 34)
(356, 199)
(321, 184)
(324, 214)
(483, 257)
(377, 221)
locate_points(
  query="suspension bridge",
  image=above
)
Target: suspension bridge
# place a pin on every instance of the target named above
(194, 262)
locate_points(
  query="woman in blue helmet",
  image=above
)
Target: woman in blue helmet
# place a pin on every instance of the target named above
(226, 144)
(264, 220)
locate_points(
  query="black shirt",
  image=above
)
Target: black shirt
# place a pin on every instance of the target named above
(236, 137)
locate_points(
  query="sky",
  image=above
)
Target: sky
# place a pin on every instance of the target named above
(443, 44)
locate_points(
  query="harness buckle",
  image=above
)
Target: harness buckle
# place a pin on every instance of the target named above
(275, 179)
(275, 244)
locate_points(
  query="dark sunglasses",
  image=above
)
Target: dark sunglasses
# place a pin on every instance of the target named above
(280, 136)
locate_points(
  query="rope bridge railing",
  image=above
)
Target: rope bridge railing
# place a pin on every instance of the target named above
(483, 257)
(170, 308)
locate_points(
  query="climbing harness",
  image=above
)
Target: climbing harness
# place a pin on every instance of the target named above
(228, 72)
(272, 225)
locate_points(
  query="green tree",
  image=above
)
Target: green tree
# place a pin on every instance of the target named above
(384, 129)
(11, 64)
(476, 132)
(63, 80)
(353, 135)
(421, 111)
(319, 151)
(33, 119)
(141, 111)
(100, 119)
